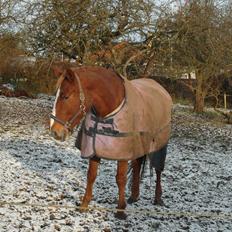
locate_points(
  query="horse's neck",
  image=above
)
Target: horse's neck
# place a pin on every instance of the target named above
(106, 93)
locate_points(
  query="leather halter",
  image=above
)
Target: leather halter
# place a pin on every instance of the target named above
(68, 124)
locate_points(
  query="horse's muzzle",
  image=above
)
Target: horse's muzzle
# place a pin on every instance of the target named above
(58, 136)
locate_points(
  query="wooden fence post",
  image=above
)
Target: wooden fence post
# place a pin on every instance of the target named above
(225, 103)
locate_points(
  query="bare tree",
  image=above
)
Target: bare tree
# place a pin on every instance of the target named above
(11, 15)
(10, 39)
(77, 29)
(197, 38)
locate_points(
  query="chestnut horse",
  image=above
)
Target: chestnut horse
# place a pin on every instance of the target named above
(99, 91)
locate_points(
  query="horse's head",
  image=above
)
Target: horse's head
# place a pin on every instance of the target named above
(70, 104)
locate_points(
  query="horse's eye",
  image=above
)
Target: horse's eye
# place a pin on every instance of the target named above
(63, 97)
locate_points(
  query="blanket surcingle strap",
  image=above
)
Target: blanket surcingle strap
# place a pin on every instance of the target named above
(140, 126)
(108, 131)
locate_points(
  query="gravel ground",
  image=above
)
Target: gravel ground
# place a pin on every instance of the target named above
(197, 181)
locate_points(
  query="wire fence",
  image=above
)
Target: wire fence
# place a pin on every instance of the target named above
(148, 212)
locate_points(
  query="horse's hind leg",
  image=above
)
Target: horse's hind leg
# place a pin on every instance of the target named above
(157, 161)
(136, 168)
(158, 189)
(121, 179)
(91, 176)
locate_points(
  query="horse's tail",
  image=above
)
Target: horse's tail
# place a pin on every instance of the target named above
(157, 161)
(142, 161)
(143, 166)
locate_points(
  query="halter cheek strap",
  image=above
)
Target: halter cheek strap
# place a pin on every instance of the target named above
(82, 109)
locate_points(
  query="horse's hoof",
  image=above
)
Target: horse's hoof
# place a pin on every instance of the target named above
(131, 200)
(83, 208)
(121, 215)
(159, 202)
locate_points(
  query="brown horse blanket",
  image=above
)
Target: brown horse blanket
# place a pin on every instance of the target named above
(141, 125)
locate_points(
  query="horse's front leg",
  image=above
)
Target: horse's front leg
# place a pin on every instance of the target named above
(91, 176)
(121, 179)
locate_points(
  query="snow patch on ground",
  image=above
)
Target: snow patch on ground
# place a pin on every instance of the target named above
(35, 169)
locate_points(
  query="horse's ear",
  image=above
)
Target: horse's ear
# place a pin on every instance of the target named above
(70, 75)
(57, 70)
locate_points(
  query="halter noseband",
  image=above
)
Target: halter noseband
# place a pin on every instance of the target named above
(82, 109)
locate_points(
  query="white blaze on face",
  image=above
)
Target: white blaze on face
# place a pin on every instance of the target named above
(54, 108)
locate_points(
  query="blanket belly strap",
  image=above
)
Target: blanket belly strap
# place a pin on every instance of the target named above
(107, 131)
(110, 132)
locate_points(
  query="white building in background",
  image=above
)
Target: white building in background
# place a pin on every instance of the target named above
(188, 76)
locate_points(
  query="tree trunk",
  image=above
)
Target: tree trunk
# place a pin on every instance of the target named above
(199, 94)
(199, 101)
